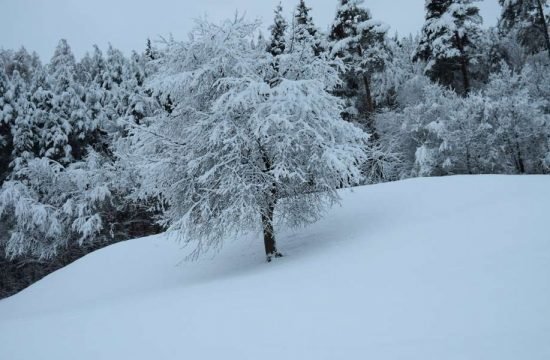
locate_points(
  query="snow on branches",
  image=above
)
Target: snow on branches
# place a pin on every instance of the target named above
(248, 143)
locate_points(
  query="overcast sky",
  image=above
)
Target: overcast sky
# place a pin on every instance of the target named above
(39, 24)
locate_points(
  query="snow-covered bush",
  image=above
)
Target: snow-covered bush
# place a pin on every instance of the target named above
(520, 120)
(502, 129)
(50, 206)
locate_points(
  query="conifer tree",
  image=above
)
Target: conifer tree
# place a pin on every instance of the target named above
(140, 102)
(448, 41)
(359, 41)
(304, 28)
(115, 64)
(149, 51)
(91, 69)
(96, 97)
(22, 62)
(23, 130)
(528, 21)
(67, 128)
(277, 44)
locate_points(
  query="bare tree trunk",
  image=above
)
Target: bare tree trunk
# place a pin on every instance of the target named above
(468, 161)
(520, 164)
(268, 212)
(463, 63)
(544, 25)
(370, 102)
(515, 153)
(269, 234)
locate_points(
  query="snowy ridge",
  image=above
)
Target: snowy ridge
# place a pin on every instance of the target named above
(438, 268)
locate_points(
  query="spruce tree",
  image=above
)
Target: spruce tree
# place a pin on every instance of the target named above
(448, 42)
(359, 41)
(277, 43)
(140, 103)
(303, 29)
(149, 51)
(22, 62)
(91, 69)
(69, 124)
(95, 96)
(23, 131)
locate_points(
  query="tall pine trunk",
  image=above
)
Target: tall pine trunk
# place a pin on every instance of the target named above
(463, 63)
(370, 108)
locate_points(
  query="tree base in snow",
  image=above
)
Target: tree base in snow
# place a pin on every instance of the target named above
(275, 255)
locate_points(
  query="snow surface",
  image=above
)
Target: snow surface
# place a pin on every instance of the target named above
(439, 268)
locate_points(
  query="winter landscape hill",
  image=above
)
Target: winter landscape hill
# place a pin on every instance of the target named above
(438, 268)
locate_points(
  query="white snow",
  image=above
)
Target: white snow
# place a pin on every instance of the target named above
(439, 268)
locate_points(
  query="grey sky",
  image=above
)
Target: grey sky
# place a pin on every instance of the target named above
(39, 24)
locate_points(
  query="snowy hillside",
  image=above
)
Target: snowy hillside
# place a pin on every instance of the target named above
(439, 268)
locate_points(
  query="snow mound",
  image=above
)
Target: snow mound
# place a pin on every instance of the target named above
(439, 268)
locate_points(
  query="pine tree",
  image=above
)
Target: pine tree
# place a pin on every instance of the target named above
(304, 29)
(140, 104)
(359, 41)
(92, 74)
(150, 53)
(277, 44)
(23, 130)
(115, 64)
(23, 63)
(126, 101)
(528, 21)
(68, 126)
(448, 42)
(91, 69)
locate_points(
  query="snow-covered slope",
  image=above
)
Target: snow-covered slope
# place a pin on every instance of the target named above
(441, 268)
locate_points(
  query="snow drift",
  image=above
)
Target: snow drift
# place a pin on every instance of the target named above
(440, 268)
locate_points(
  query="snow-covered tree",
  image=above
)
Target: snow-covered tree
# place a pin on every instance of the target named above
(520, 121)
(359, 41)
(51, 206)
(115, 64)
(90, 74)
(140, 102)
(91, 69)
(449, 41)
(150, 52)
(241, 152)
(277, 45)
(69, 124)
(25, 134)
(303, 29)
(23, 63)
(528, 21)
(391, 84)
(503, 129)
